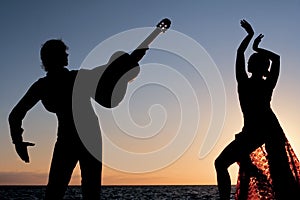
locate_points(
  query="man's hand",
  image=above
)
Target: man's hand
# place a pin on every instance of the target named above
(138, 54)
(21, 149)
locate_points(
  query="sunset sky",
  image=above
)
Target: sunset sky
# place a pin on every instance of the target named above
(83, 26)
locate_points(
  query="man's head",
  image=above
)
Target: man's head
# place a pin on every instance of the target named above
(53, 55)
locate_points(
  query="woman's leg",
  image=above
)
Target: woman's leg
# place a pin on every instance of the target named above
(228, 156)
(237, 151)
(284, 183)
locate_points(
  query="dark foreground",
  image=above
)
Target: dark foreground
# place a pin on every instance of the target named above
(209, 192)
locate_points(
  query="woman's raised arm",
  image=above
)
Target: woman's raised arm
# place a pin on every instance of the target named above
(275, 58)
(240, 58)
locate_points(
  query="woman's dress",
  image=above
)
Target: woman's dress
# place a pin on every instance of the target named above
(271, 169)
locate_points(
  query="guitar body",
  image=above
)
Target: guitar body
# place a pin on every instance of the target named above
(122, 68)
(112, 85)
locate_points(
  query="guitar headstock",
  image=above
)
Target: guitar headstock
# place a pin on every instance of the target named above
(164, 24)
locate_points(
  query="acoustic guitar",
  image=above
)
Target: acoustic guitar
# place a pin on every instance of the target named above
(123, 68)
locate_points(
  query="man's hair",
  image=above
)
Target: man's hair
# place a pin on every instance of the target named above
(51, 52)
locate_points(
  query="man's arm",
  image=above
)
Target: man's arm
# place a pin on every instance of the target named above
(16, 117)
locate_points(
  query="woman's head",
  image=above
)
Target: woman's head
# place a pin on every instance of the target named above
(258, 64)
(53, 55)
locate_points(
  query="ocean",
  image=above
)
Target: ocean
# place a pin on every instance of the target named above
(167, 192)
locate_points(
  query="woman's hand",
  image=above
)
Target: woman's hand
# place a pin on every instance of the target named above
(247, 27)
(257, 41)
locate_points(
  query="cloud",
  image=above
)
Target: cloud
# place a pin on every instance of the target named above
(31, 178)
(23, 178)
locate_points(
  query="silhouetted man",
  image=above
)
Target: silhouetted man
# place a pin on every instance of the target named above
(55, 91)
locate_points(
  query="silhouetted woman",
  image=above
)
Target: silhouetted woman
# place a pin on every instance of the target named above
(269, 169)
(55, 91)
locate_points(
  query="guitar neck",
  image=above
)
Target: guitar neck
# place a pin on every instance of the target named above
(162, 26)
(149, 39)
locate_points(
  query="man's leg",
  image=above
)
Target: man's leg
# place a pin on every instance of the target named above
(91, 170)
(62, 165)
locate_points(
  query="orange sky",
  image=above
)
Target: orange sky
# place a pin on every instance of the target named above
(213, 25)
